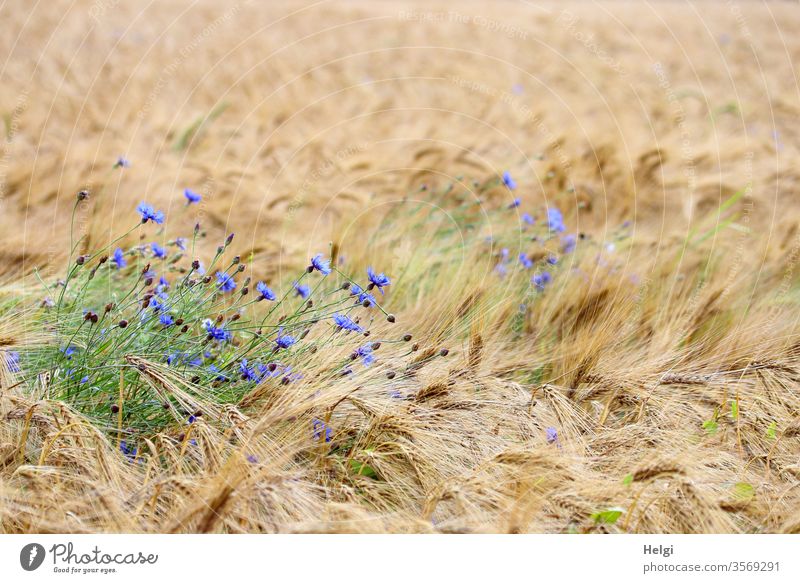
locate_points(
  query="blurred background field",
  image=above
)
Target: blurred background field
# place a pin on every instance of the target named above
(651, 112)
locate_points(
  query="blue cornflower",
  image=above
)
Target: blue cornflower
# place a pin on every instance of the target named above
(551, 434)
(166, 320)
(319, 427)
(84, 380)
(515, 203)
(508, 181)
(501, 269)
(191, 419)
(191, 197)
(540, 280)
(12, 361)
(525, 260)
(345, 323)
(119, 258)
(69, 351)
(128, 450)
(568, 244)
(527, 218)
(552, 259)
(365, 352)
(378, 280)
(362, 295)
(150, 214)
(122, 162)
(180, 243)
(163, 284)
(247, 373)
(225, 281)
(149, 274)
(284, 340)
(320, 264)
(157, 302)
(158, 251)
(266, 293)
(252, 459)
(219, 376)
(555, 220)
(216, 333)
(302, 290)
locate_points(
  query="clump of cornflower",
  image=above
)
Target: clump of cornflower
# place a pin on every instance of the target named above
(225, 282)
(320, 264)
(555, 220)
(378, 280)
(540, 280)
(191, 197)
(302, 290)
(158, 251)
(319, 428)
(345, 323)
(284, 340)
(119, 258)
(150, 214)
(509, 181)
(264, 292)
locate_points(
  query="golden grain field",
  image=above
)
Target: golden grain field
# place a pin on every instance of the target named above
(666, 354)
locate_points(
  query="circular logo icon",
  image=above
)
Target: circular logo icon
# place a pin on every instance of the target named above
(31, 556)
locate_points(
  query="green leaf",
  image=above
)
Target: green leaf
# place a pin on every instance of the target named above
(743, 491)
(607, 516)
(711, 426)
(735, 409)
(362, 469)
(185, 138)
(628, 480)
(771, 430)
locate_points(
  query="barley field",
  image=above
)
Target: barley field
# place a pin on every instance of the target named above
(407, 267)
